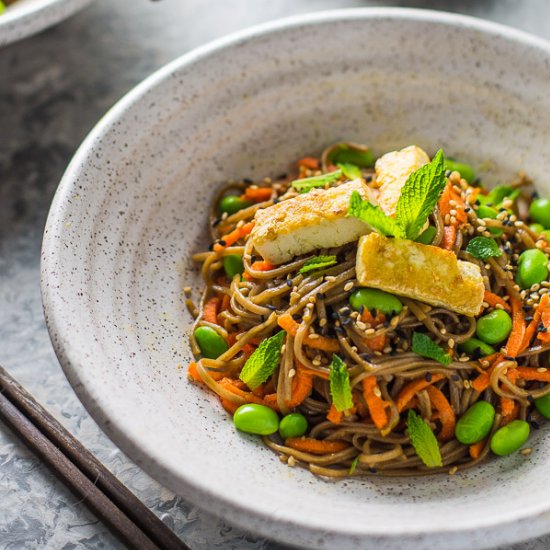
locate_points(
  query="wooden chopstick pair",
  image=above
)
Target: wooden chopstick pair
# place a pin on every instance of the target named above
(111, 501)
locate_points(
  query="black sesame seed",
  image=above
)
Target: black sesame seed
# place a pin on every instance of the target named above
(247, 180)
(339, 330)
(373, 312)
(361, 309)
(476, 354)
(365, 356)
(334, 316)
(368, 178)
(319, 296)
(253, 258)
(211, 247)
(467, 209)
(529, 318)
(535, 425)
(345, 311)
(283, 176)
(509, 358)
(447, 173)
(289, 283)
(346, 321)
(296, 316)
(216, 222)
(272, 308)
(531, 399)
(535, 194)
(373, 470)
(428, 377)
(455, 377)
(222, 242)
(275, 201)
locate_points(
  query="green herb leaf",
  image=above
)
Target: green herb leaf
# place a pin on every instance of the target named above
(340, 387)
(373, 216)
(420, 194)
(348, 153)
(423, 345)
(353, 466)
(307, 184)
(483, 248)
(318, 263)
(351, 171)
(263, 362)
(500, 192)
(423, 440)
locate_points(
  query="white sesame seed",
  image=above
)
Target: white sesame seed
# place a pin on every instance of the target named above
(443, 331)
(466, 384)
(464, 359)
(361, 325)
(452, 471)
(330, 278)
(451, 343)
(313, 336)
(377, 391)
(370, 331)
(526, 451)
(481, 222)
(292, 373)
(348, 286)
(291, 461)
(316, 362)
(322, 322)
(542, 369)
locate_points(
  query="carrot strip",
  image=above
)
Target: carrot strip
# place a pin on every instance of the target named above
(260, 265)
(512, 416)
(476, 448)
(517, 335)
(412, 388)
(544, 337)
(210, 310)
(377, 406)
(311, 163)
(445, 207)
(481, 383)
(377, 343)
(446, 413)
(316, 446)
(449, 237)
(231, 238)
(193, 373)
(257, 194)
(226, 302)
(334, 415)
(493, 300)
(506, 406)
(302, 384)
(287, 323)
(533, 325)
(229, 406)
(236, 387)
(531, 373)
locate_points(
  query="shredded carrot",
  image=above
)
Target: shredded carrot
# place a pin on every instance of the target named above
(260, 265)
(193, 373)
(334, 415)
(236, 387)
(445, 207)
(511, 416)
(311, 163)
(446, 413)
(231, 238)
(532, 373)
(257, 194)
(377, 343)
(506, 406)
(316, 446)
(544, 336)
(286, 322)
(517, 335)
(226, 302)
(377, 406)
(210, 310)
(449, 237)
(533, 325)
(323, 375)
(481, 383)
(302, 384)
(412, 388)
(493, 300)
(229, 406)
(476, 448)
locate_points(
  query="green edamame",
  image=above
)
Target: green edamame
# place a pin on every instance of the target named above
(543, 405)
(233, 265)
(293, 425)
(536, 227)
(466, 171)
(494, 327)
(256, 419)
(372, 298)
(476, 423)
(232, 204)
(474, 345)
(211, 344)
(532, 268)
(539, 211)
(485, 211)
(510, 438)
(427, 236)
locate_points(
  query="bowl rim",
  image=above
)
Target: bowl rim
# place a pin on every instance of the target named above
(24, 20)
(535, 519)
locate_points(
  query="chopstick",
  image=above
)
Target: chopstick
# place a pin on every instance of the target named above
(119, 508)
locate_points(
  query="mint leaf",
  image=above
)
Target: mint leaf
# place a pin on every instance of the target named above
(423, 440)
(483, 248)
(423, 345)
(340, 387)
(373, 216)
(263, 362)
(307, 184)
(317, 263)
(499, 193)
(351, 171)
(419, 196)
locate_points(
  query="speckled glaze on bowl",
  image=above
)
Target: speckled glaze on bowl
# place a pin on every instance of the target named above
(27, 17)
(132, 207)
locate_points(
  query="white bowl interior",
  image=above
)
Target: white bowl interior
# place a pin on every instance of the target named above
(132, 207)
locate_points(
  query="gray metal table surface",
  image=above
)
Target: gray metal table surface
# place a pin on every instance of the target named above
(53, 88)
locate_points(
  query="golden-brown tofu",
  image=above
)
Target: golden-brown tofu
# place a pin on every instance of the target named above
(422, 272)
(392, 171)
(308, 222)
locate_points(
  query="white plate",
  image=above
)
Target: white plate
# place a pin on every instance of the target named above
(27, 17)
(132, 207)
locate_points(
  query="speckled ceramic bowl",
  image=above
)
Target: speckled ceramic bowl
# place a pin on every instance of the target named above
(27, 17)
(132, 207)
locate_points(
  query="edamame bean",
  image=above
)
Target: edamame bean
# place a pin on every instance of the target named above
(539, 211)
(545, 234)
(427, 236)
(485, 211)
(372, 298)
(232, 204)
(233, 265)
(510, 438)
(536, 227)
(532, 268)
(476, 423)
(543, 405)
(256, 419)
(293, 425)
(494, 327)
(466, 171)
(212, 345)
(473, 345)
